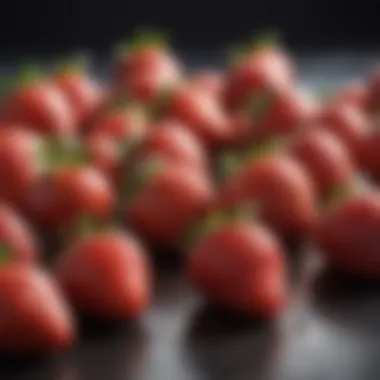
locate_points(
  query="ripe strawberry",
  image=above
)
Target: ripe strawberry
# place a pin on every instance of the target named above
(146, 68)
(241, 267)
(34, 317)
(166, 200)
(39, 105)
(106, 275)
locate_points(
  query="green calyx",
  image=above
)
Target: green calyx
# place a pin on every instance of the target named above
(122, 102)
(229, 163)
(267, 148)
(127, 147)
(27, 75)
(265, 40)
(142, 39)
(57, 154)
(141, 175)
(76, 64)
(5, 256)
(259, 105)
(86, 226)
(339, 193)
(218, 219)
(161, 103)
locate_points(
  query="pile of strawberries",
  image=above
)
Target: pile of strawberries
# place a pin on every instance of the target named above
(223, 168)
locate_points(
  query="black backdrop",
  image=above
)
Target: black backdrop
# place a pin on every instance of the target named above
(43, 25)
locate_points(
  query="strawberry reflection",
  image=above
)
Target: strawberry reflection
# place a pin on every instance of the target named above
(221, 345)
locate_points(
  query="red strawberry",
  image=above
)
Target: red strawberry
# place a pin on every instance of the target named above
(83, 92)
(209, 81)
(113, 137)
(106, 275)
(281, 190)
(34, 317)
(146, 68)
(167, 200)
(263, 68)
(173, 141)
(373, 99)
(20, 168)
(65, 195)
(39, 105)
(16, 238)
(349, 235)
(281, 114)
(353, 94)
(241, 267)
(370, 154)
(121, 122)
(326, 158)
(349, 124)
(201, 113)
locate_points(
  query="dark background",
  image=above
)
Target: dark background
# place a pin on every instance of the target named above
(58, 26)
(331, 329)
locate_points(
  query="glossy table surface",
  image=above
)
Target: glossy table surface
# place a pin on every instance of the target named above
(330, 331)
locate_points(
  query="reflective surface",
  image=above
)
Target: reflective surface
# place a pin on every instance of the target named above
(331, 330)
